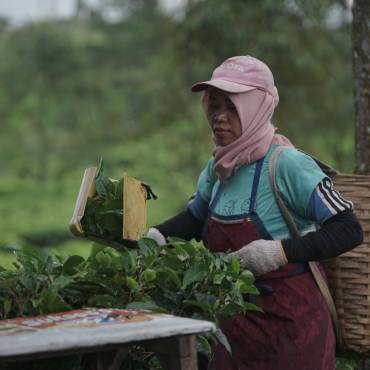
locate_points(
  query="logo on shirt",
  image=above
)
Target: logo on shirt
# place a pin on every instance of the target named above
(244, 207)
(229, 207)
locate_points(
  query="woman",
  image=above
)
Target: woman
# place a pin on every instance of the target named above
(234, 209)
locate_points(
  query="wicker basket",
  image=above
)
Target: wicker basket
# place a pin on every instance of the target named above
(349, 274)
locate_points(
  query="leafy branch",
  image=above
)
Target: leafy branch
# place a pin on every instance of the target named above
(181, 278)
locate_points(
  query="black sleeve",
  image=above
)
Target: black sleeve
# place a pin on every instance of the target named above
(184, 225)
(337, 235)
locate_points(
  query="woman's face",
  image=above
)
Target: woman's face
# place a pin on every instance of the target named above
(223, 118)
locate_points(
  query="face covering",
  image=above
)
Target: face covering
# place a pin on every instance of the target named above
(255, 109)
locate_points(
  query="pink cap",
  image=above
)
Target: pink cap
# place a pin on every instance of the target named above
(240, 74)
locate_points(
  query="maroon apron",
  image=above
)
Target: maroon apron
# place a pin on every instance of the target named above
(295, 330)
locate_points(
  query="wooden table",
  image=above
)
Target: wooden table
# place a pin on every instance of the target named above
(104, 334)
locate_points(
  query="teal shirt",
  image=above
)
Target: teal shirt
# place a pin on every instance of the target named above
(297, 176)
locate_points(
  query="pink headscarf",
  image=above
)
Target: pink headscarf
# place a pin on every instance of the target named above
(250, 86)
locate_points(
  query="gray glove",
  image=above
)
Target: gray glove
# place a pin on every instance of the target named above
(155, 234)
(261, 256)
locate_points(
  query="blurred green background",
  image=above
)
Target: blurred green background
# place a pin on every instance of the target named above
(118, 87)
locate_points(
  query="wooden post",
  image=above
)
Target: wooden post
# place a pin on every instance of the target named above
(104, 360)
(178, 353)
(175, 353)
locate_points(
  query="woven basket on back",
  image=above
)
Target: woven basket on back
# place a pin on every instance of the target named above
(349, 274)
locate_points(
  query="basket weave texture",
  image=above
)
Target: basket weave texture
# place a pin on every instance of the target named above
(349, 274)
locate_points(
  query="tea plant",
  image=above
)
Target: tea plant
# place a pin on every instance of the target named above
(103, 215)
(180, 278)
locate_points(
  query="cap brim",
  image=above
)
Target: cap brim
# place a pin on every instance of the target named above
(224, 85)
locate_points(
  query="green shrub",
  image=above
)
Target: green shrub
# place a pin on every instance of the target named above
(181, 278)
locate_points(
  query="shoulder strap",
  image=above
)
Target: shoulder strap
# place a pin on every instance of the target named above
(328, 170)
(320, 281)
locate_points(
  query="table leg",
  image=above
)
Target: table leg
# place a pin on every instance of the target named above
(107, 360)
(178, 353)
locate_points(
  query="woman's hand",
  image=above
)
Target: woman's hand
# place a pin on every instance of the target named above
(155, 234)
(261, 256)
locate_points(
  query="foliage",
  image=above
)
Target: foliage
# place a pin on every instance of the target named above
(70, 85)
(75, 90)
(351, 361)
(103, 215)
(87, 87)
(181, 278)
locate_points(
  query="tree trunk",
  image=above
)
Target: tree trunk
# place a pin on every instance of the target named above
(361, 72)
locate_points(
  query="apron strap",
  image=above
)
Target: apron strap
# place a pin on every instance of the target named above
(216, 198)
(256, 181)
(320, 281)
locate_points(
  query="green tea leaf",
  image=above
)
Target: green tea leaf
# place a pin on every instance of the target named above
(206, 308)
(129, 260)
(60, 282)
(247, 277)
(50, 302)
(148, 275)
(7, 306)
(103, 185)
(147, 305)
(102, 300)
(223, 340)
(203, 346)
(71, 264)
(103, 259)
(170, 275)
(9, 283)
(170, 258)
(217, 279)
(251, 307)
(234, 264)
(103, 216)
(197, 272)
(132, 283)
(148, 246)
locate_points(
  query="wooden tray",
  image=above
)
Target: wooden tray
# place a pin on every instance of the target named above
(134, 210)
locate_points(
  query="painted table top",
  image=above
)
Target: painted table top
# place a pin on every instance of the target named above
(92, 327)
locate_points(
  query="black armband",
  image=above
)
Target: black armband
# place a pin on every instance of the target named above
(337, 235)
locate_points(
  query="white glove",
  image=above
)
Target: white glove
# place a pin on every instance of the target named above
(155, 234)
(261, 256)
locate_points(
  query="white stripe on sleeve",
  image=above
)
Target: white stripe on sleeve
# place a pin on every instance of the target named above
(331, 198)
